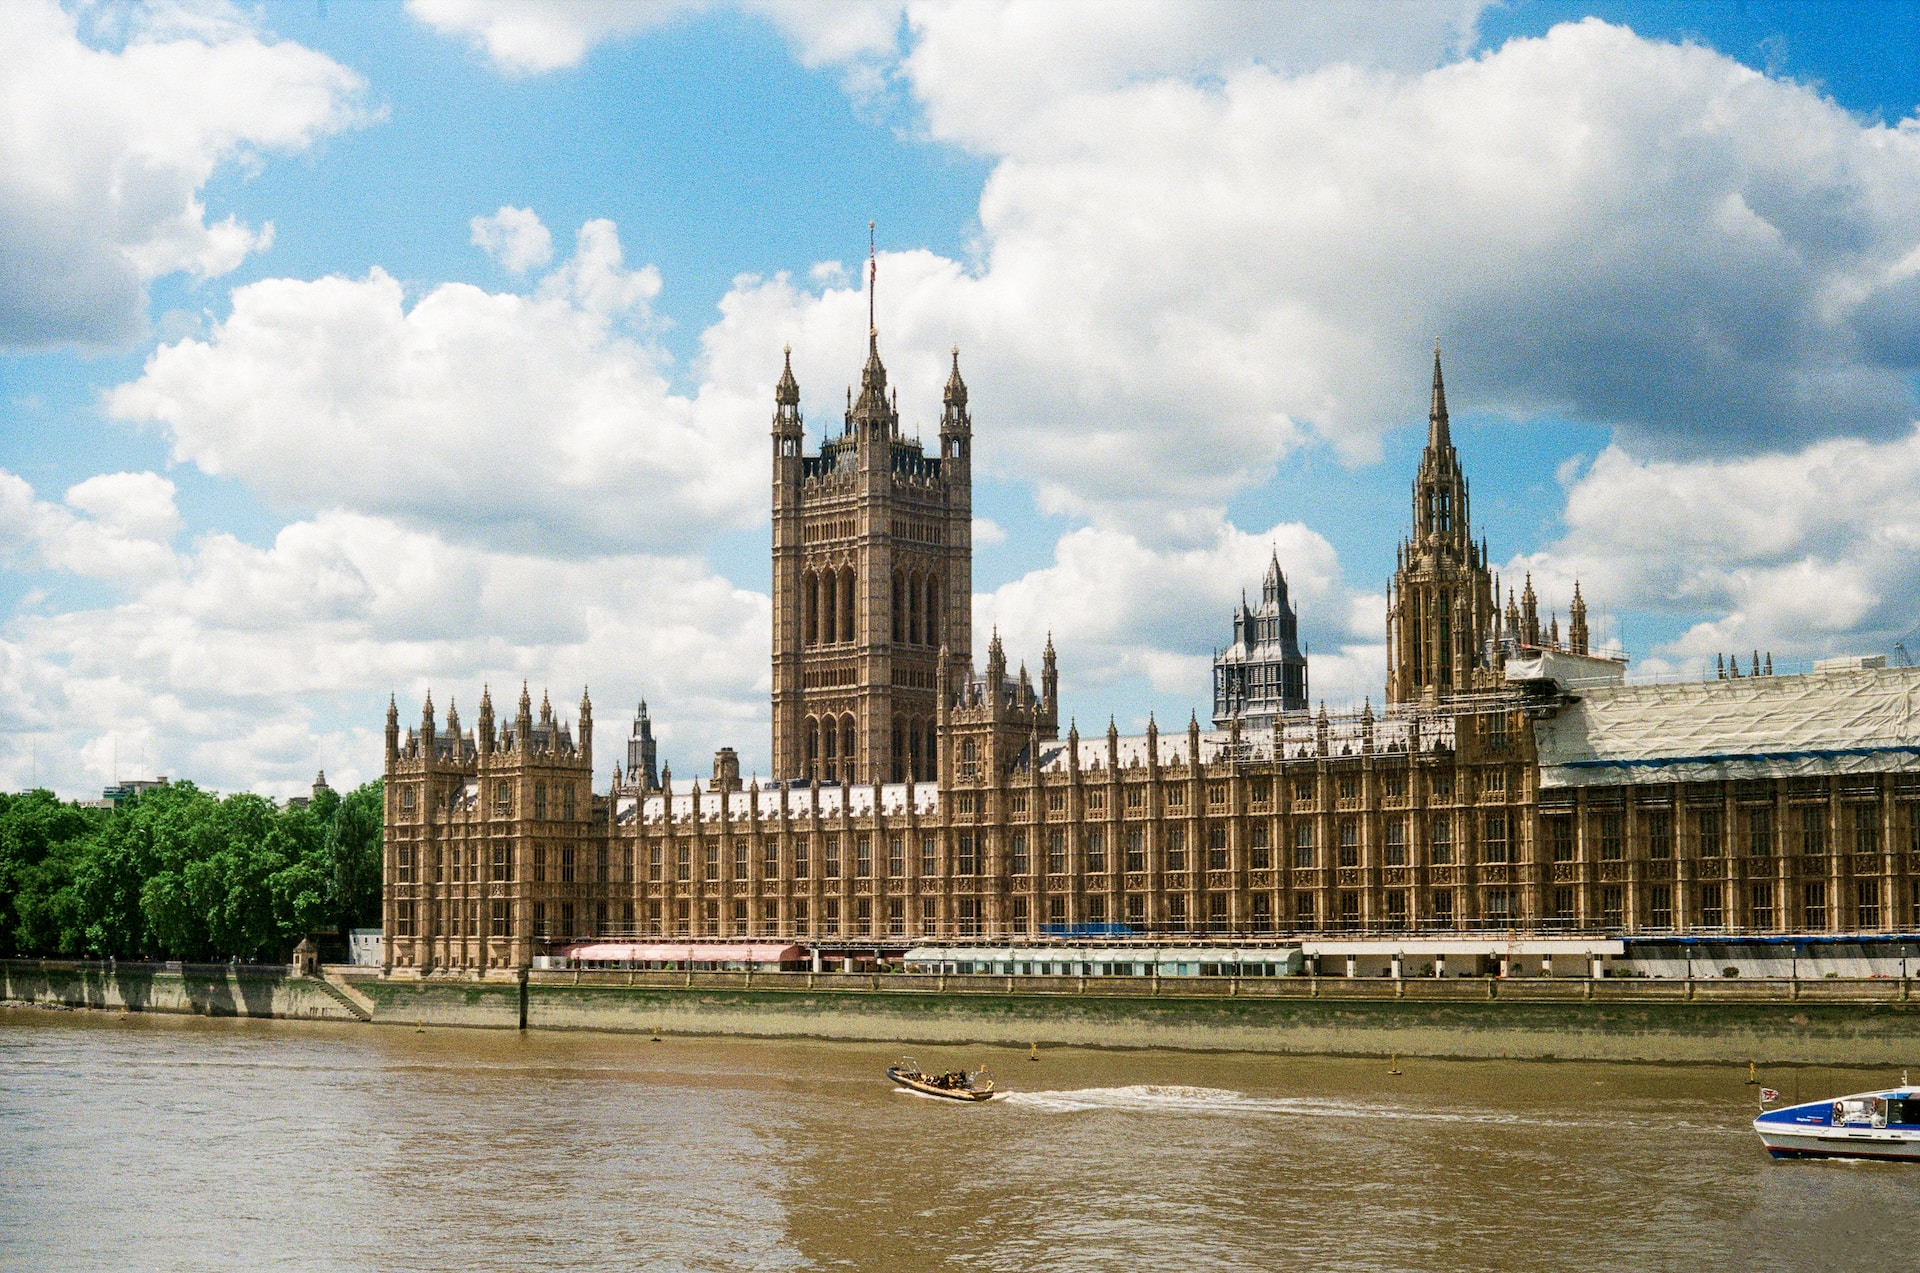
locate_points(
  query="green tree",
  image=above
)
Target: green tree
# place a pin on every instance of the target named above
(38, 835)
(355, 844)
(180, 873)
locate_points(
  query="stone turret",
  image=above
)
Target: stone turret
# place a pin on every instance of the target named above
(1440, 610)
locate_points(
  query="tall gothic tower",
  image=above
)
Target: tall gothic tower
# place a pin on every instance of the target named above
(872, 577)
(1441, 614)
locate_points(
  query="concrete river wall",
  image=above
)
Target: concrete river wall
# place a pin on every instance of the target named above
(1829, 1022)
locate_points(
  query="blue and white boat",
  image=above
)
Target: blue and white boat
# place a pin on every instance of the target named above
(1866, 1125)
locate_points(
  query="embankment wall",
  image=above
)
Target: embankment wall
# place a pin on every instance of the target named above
(1828, 1023)
(208, 990)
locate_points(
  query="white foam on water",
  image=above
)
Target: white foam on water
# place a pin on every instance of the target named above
(1158, 1097)
(1174, 1098)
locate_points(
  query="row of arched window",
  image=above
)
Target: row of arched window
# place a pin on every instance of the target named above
(827, 603)
(827, 598)
(914, 751)
(916, 608)
(831, 749)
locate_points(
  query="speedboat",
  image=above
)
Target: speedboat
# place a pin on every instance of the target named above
(1867, 1125)
(953, 1085)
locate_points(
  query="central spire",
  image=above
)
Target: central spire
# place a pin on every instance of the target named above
(1438, 435)
(871, 407)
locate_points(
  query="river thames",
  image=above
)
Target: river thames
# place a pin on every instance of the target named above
(180, 1143)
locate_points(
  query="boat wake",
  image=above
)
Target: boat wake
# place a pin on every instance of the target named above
(1160, 1098)
(1179, 1099)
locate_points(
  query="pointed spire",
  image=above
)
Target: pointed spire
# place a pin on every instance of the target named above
(787, 392)
(956, 393)
(1438, 436)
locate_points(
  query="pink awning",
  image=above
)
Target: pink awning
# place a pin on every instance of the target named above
(684, 952)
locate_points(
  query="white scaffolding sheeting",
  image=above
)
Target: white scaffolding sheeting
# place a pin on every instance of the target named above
(1754, 727)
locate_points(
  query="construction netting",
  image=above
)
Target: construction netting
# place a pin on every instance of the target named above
(1752, 727)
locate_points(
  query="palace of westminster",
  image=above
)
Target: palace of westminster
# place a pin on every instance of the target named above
(1511, 780)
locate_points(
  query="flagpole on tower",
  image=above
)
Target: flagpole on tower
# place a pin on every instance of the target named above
(873, 277)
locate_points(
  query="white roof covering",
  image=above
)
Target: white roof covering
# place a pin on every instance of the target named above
(1754, 727)
(858, 801)
(1294, 735)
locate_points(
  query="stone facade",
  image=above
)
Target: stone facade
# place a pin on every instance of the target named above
(1437, 814)
(1263, 674)
(872, 580)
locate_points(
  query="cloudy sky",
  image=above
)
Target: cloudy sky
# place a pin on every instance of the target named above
(349, 349)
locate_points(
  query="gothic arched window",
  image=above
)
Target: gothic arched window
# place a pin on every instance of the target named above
(933, 610)
(829, 607)
(913, 608)
(847, 632)
(810, 599)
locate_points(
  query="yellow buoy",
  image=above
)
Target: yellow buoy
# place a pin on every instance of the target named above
(1033, 1052)
(1393, 1063)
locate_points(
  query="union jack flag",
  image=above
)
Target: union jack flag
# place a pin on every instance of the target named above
(1768, 1094)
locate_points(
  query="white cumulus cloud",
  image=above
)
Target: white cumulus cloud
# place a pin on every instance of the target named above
(542, 420)
(105, 152)
(527, 37)
(251, 667)
(1803, 552)
(514, 237)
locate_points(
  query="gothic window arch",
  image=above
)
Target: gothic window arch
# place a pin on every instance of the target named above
(899, 600)
(933, 609)
(899, 773)
(914, 770)
(810, 595)
(913, 608)
(813, 746)
(847, 746)
(847, 632)
(829, 607)
(930, 754)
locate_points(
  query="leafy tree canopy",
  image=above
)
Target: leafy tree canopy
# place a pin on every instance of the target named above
(180, 873)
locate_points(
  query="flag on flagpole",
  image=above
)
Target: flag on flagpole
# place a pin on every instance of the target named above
(1768, 1094)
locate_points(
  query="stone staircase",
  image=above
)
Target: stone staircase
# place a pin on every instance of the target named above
(357, 1005)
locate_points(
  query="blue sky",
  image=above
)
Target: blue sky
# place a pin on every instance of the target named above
(349, 349)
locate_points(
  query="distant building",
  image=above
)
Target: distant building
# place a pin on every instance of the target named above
(643, 755)
(319, 785)
(121, 792)
(366, 947)
(1263, 673)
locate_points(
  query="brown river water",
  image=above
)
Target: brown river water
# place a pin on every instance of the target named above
(137, 1143)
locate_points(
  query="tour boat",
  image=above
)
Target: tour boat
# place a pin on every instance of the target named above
(1867, 1125)
(955, 1085)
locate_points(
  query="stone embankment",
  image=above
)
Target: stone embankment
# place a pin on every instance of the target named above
(1830, 1021)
